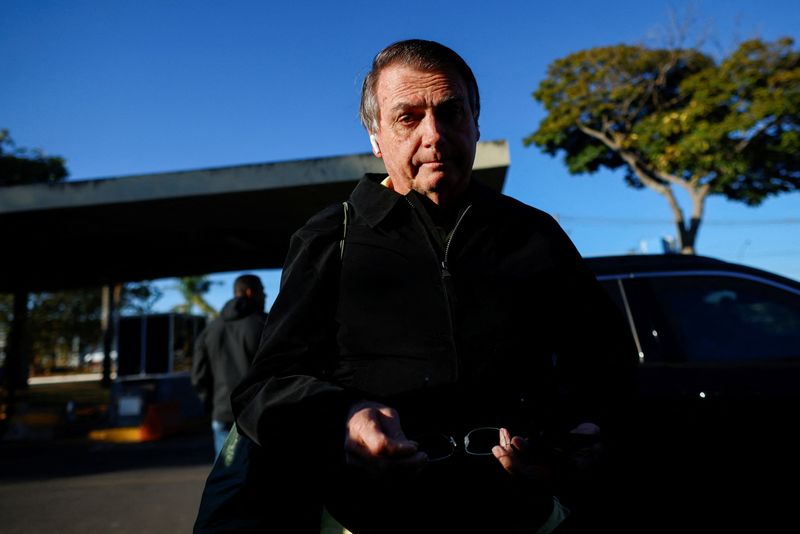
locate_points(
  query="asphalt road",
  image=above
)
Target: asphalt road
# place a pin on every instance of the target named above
(85, 487)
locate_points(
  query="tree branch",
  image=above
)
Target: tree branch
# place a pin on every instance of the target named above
(671, 178)
(761, 129)
(698, 200)
(591, 132)
(633, 162)
(631, 159)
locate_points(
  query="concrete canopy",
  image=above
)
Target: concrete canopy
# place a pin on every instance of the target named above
(112, 230)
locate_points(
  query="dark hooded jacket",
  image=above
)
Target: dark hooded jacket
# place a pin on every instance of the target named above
(500, 324)
(223, 353)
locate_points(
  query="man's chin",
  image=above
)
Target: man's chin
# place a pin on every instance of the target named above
(440, 184)
(437, 177)
(435, 182)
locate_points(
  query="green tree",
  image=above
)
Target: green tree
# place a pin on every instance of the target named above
(193, 289)
(140, 297)
(676, 118)
(20, 166)
(61, 323)
(60, 320)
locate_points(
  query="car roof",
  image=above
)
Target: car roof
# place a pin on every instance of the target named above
(650, 263)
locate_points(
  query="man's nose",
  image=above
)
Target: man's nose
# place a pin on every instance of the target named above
(431, 130)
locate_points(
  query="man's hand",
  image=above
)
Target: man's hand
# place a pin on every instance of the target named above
(375, 441)
(581, 451)
(514, 455)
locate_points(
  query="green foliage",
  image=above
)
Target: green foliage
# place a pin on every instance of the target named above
(57, 320)
(20, 166)
(57, 325)
(193, 289)
(140, 297)
(61, 323)
(679, 118)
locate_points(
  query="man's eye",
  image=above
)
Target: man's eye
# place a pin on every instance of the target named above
(451, 112)
(405, 119)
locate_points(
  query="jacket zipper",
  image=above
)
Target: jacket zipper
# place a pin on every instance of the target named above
(446, 281)
(449, 290)
(445, 271)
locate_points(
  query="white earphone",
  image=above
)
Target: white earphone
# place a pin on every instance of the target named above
(374, 142)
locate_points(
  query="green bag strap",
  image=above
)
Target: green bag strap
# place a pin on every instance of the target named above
(344, 232)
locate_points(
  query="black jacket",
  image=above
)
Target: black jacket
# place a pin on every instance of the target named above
(503, 325)
(223, 352)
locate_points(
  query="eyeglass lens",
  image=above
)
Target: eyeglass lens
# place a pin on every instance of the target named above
(436, 446)
(477, 442)
(480, 441)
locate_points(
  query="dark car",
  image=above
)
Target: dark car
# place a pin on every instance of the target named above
(714, 429)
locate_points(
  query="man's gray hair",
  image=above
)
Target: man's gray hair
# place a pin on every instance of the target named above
(427, 56)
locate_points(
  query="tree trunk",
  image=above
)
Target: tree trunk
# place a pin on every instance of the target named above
(111, 299)
(688, 236)
(17, 361)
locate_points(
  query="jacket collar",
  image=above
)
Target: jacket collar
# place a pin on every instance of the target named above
(374, 201)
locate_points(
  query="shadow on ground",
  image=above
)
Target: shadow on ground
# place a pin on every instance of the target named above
(21, 460)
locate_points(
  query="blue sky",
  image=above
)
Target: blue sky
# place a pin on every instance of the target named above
(121, 88)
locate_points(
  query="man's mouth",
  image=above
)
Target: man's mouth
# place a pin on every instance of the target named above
(433, 164)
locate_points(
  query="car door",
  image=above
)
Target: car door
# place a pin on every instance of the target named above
(719, 383)
(717, 336)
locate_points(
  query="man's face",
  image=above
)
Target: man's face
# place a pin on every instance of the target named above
(426, 132)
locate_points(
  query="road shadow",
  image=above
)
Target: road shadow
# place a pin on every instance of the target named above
(27, 460)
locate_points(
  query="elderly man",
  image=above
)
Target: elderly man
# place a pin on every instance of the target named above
(408, 345)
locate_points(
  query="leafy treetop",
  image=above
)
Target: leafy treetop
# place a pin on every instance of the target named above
(20, 166)
(677, 118)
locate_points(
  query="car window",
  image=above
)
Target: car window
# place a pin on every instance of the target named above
(719, 318)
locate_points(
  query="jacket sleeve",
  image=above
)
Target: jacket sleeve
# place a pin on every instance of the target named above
(285, 392)
(596, 359)
(202, 378)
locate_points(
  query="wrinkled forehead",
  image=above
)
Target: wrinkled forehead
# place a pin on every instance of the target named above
(403, 84)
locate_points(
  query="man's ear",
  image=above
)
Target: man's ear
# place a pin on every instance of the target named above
(376, 149)
(477, 133)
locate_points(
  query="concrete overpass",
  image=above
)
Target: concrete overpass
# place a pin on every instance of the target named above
(121, 229)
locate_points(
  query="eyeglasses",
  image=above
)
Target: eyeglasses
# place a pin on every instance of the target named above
(477, 442)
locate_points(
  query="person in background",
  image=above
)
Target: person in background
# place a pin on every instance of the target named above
(224, 351)
(421, 356)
